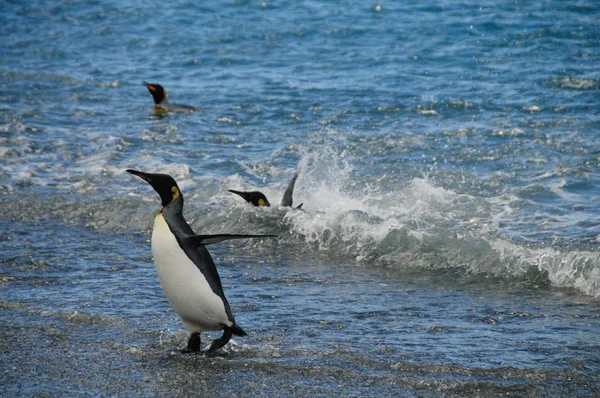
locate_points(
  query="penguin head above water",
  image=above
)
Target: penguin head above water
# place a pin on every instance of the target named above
(159, 93)
(163, 184)
(255, 197)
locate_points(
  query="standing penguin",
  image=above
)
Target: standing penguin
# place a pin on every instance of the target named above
(186, 271)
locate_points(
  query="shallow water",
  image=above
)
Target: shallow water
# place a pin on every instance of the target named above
(448, 166)
(86, 326)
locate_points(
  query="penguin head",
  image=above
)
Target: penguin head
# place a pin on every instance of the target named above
(255, 197)
(159, 93)
(163, 184)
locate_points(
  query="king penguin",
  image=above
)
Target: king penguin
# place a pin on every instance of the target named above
(161, 102)
(186, 271)
(258, 198)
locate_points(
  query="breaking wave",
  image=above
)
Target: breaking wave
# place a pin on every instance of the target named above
(347, 216)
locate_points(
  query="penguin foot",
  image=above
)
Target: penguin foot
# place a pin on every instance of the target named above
(193, 344)
(220, 342)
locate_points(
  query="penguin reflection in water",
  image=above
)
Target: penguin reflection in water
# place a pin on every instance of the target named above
(258, 198)
(161, 102)
(186, 271)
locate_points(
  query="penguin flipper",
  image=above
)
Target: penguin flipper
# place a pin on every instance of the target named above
(210, 239)
(287, 199)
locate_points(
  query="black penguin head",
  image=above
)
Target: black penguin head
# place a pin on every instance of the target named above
(254, 197)
(164, 184)
(158, 92)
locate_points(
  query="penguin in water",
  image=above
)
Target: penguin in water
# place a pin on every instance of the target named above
(161, 102)
(258, 198)
(186, 271)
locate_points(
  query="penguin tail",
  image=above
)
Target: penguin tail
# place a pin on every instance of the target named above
(236, 330)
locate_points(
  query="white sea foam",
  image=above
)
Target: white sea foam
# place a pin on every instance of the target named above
(573, 83)
(415, 225)
(577, 269)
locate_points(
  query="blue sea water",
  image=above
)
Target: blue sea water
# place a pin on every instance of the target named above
(448, 164)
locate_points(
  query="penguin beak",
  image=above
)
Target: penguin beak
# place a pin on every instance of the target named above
(144, 176)
(245, 195)
(149, 86)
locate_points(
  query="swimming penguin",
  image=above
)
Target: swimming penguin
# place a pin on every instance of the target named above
(186, 271)
(161, 102)
(259, 199)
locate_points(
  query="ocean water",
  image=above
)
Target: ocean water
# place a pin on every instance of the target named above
(448, 161)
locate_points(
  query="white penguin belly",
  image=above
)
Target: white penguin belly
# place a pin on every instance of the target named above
(184, 284)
